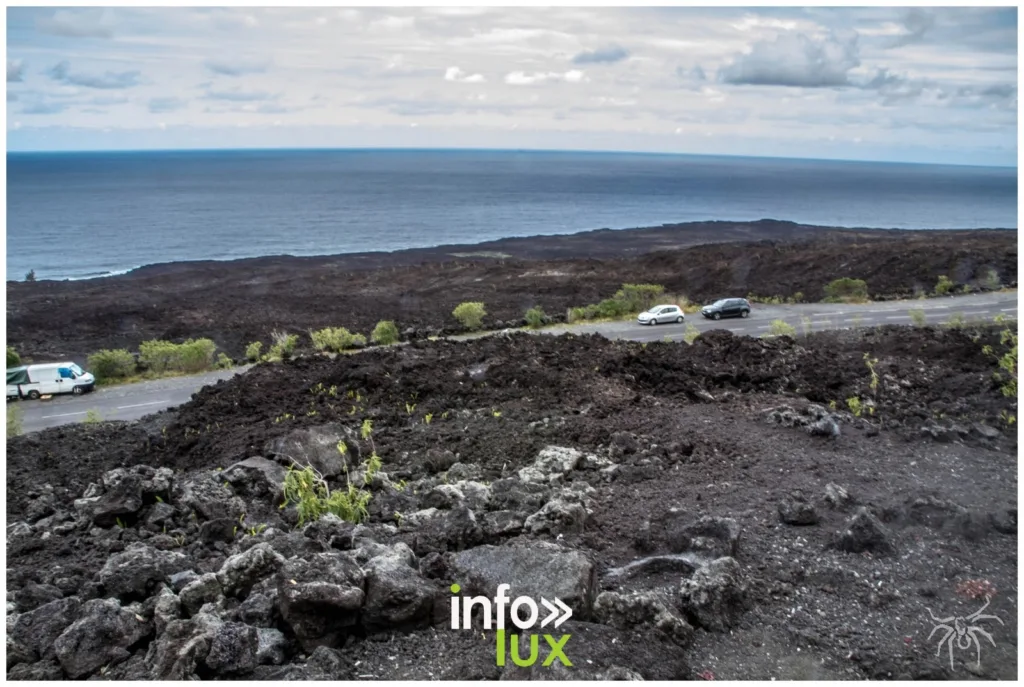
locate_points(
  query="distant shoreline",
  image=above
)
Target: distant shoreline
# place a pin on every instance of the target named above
(585, 244)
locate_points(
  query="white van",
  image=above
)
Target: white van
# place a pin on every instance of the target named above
(33, 381)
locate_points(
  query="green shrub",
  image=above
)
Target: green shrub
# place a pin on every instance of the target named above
(781, 328)
(535, 318)
(252, 351)
(31, 276)
(846, 290)
(14, 416)
(611, 308)
(92, 417)
(855, 406)
(917, 316)
(13, 359)
(283, 347)
(224, 362)
(385, 333)
(336, 339)
(1006, 358)
(194, 355)
(956, 321)
(691, 333)
(944, 286)
(636, 298)
(470, 314)
(108, 364)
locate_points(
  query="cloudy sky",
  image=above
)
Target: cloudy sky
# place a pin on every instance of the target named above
(918, 84)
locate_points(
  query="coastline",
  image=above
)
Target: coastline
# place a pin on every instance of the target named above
(586, 244)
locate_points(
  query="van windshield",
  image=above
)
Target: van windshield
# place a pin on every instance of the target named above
(77, 370)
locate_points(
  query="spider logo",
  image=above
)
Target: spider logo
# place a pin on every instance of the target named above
(964, 632)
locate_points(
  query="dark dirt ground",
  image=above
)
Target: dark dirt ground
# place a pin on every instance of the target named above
(235, 303)
(691, 454)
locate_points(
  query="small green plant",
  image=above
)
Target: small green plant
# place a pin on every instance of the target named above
(283, 346)
(398, 518)
(917, 317)
(92, 417)
(112, 364)
(781, 328)
(252, 351)
(956, 321)
(428, 418)
(846, 290)
(13, 359)
(691, 333)
(1006, 358)
(831, 405)
(14, 417)
(871, 362)
(410, 408)
(496, 413)
(470, 314)
(1009, 418)
(385, 333)
(535, 318)
(805, 324)
(258, 529)
(30, 276)
(855, 406)
(120, 523)
(857, 322)
(944, 286)
(224, 362)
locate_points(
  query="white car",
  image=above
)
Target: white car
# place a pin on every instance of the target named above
(661, 314)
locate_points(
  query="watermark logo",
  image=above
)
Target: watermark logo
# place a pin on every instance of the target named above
(493, 612)
(963, 631)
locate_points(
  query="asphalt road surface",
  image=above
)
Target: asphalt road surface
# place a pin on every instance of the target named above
(133, 401)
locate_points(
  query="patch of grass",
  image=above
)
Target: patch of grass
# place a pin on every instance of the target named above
(917, 317)
(846, 290)
(691, 333)
(470, 314)
(336, 339)
(805, 323)
(944, 286)
(855, 406)
(283, 346)
(92, 417)
(781, 328)
(385, 333)
(956, 321)
(990, 280)
(13, 359)
(14, 417)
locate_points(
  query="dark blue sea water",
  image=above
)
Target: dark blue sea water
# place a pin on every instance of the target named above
(88, 214)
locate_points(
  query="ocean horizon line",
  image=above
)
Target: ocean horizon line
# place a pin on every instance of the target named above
(470, 150)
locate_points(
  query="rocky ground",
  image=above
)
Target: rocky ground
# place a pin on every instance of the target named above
(235, 303)
(704, 510)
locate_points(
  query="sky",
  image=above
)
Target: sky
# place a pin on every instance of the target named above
(876, 83)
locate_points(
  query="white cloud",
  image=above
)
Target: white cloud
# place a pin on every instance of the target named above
(456, 74)
(524, 79)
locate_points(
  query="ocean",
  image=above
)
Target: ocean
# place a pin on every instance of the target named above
(83, 215)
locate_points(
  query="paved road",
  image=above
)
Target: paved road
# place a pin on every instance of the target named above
(131, 402)
(128, 402)
(817, 316)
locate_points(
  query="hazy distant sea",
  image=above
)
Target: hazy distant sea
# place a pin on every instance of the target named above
(89, 214)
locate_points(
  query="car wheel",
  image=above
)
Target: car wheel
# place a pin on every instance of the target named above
(33, 394)
(744, 313)
(78, 391)
(717, 316)
(679, 320)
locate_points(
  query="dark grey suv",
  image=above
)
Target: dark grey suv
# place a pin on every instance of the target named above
(727, 307)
